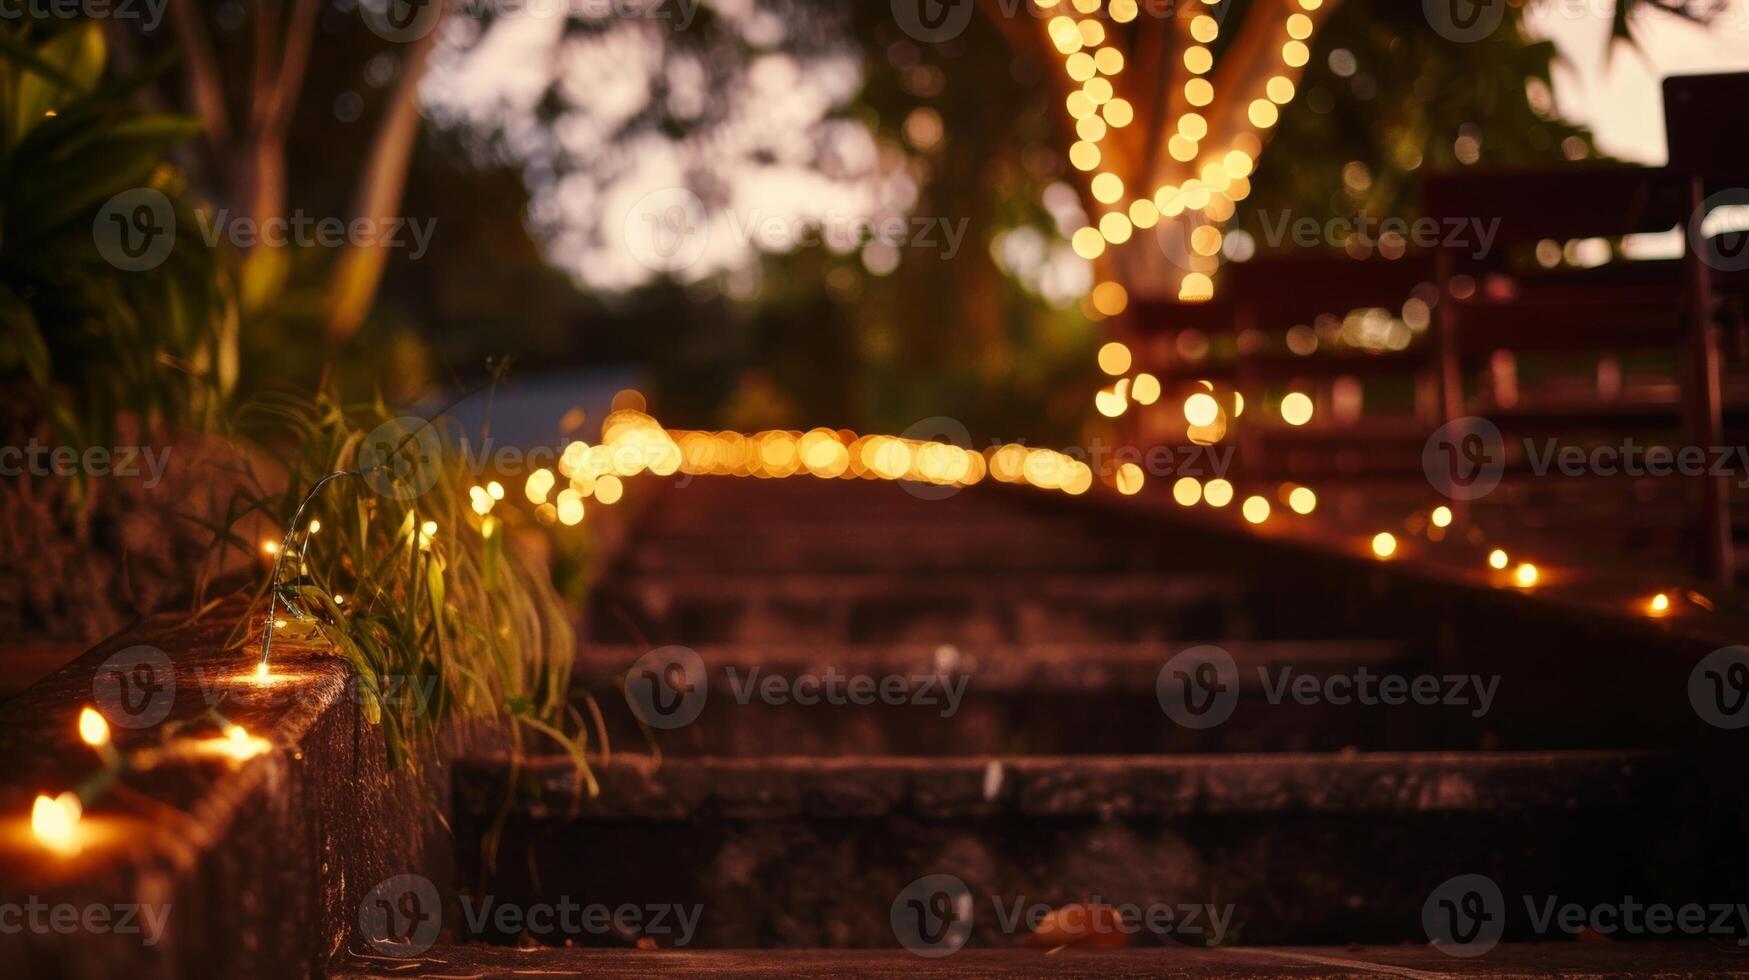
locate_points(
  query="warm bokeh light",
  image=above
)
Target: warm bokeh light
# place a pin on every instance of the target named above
(1441, 516)
(1660, 604)
(1201, 409)
(238, 744)
(1110, 299)
(1525, 575)
(1145, 389)
(1498, 559)
(93, 729)
(1384, 544)
(1302, 500)
(1115, 359)
(1129, 479)
(55, 822)
(1255, 509)
(1187, 491)
(1296, 408)
(1217, 492)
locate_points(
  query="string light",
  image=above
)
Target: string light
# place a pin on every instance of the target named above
(1384, 544)
(93, 729)
(1255, 509)
(1302, 500)
(55, 822)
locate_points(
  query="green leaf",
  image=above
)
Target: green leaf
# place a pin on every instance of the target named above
(70, 63)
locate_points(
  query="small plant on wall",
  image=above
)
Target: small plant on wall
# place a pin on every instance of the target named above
(394, 557)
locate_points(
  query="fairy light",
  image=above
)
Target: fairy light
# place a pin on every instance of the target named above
(93, 729)
(1384, 544)
(1255, 509)
(1441, 516)
(1201, 409)
(55, 822)
(1302, 500)
(238, 744)
(1498, 559)
(1296, 408)
(1525, 575)
(1660, 604)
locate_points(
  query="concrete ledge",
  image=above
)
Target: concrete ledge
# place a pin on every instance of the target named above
(257, 866)
(1239, 963)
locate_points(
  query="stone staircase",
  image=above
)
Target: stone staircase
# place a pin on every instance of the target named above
(1016, 731)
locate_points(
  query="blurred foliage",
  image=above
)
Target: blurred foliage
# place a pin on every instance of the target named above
(93, 341)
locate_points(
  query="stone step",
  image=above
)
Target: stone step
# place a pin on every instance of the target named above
(931, 549)
(1019, 699)
(885, 607)
(1302, 848)
(1509, 960)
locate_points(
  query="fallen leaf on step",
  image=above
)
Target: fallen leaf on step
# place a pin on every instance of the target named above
(1082, 925)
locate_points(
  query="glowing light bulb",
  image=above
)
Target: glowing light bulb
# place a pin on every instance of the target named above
(270, 548)
(1296, 408)
(1525, 575)
(1302, 500)
(315, 525)
(1115, 358)
(1201, 409)
(1441, 516)
(1255, 509)
(1660, 604)
(93, 728)
(1497, 559)
(1384, 544)
(55, 822)
(1129, 479)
